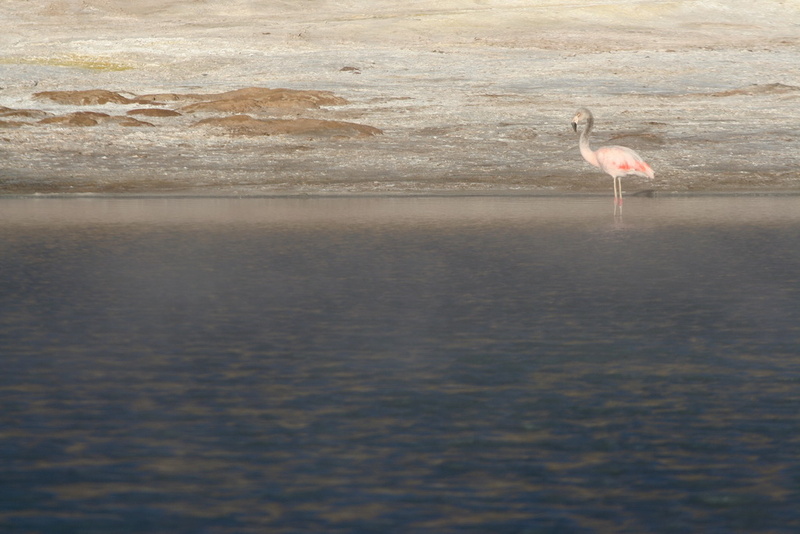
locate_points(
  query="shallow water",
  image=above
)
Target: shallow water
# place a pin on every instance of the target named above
(475, 364)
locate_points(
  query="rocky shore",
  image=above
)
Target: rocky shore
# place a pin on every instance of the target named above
(354, 97)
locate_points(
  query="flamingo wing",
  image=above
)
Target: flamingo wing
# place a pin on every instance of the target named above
(621, 161)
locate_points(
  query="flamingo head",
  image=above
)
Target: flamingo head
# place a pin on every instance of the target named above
(581, 116)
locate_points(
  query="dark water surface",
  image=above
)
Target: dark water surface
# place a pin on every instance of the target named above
(409, 365)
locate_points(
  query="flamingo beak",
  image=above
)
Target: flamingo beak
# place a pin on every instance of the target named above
(575, 127)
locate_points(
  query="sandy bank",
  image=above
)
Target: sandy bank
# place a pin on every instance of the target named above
(468, 96)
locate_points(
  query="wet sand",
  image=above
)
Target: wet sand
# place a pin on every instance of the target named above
(466, 97)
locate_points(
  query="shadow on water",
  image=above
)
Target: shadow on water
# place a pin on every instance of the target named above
(496, 364)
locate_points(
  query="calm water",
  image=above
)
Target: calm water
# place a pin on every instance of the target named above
(409, 365)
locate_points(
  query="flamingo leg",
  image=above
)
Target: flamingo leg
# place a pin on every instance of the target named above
(618, 189)
(617, 195)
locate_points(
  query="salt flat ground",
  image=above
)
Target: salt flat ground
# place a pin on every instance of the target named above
(471, 96)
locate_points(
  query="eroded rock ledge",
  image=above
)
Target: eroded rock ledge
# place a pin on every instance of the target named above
(246, 125)
(231, 105)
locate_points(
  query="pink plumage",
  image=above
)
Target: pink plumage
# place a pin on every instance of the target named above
(616, 161)
(622, 161)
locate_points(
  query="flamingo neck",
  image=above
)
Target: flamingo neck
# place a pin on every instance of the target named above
(586, 150)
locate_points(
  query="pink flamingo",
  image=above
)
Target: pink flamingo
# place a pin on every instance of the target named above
(617, 161)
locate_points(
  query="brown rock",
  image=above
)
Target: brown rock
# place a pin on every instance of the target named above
(159, 99)
(80, 118)
(318, 98)
(11, 124)
(237, 101)
(154, 112)
(256, 98)
(23, 113)
(91, 118)
(130, 121)
(246, 125)
(91, 97)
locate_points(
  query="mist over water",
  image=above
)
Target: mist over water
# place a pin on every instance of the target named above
(496, 364)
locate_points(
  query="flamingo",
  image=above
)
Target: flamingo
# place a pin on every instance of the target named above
(617, 161)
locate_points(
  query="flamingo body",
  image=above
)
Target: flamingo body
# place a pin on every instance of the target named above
(620, 161)
(616, 161)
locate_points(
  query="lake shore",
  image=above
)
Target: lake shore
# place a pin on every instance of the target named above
(472, 98)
